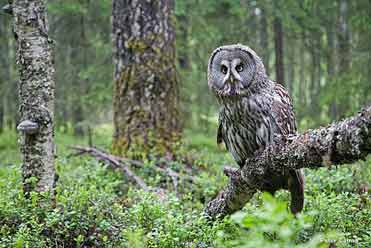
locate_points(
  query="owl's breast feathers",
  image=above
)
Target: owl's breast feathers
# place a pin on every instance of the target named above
(245, 126)
(248, 124)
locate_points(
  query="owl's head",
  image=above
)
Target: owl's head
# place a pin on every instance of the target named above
(235, 70)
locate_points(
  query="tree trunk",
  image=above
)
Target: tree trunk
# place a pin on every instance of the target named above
(183, 55)
(278, 46)
(36, 92)
(145, 100)
(252, 21)
(344, 38)
(291, 58)
(315, 74)
(78, 118)
(331, 69)
(3, 67)
(83, 82)
(10, 104)
(264, 40)
(2, 116)
(367, 92)
(302, 89)
(344, 52)
(339, 143)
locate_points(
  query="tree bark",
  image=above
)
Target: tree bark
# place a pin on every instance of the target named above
(331, 68)
(36, 93)
(183, 54)
(264, 40)
(302, 89)
(339, 143)
(145, 100)
(78, 113)
(278, 46)
(4, 69)
(291, 58)
(315, 47)
(252, 21)
(344, 53)
(344, 38)
(1, 115)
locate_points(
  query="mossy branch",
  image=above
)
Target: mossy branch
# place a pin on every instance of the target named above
(339, 143)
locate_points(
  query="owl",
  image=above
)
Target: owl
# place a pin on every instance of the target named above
(253, 109)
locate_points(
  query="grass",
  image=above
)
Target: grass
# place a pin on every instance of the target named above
(97, 207)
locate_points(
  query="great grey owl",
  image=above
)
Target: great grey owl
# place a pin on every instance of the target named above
(252, 109)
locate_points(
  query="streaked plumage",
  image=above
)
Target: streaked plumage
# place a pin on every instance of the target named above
(252, 109)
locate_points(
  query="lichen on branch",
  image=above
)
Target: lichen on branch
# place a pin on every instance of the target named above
(339, 143)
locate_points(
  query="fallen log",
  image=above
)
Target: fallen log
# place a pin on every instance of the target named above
(339, 143)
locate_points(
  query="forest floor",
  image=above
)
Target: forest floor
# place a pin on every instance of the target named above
(98, 207)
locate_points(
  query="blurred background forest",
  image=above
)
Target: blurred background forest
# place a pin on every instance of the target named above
(325, 57)
(320, 51)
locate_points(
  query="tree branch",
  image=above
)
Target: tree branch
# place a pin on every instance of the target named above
(339, 143)
(111, 160)
(124, 164)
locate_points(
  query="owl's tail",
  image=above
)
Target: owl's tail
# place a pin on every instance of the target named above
(296, 188)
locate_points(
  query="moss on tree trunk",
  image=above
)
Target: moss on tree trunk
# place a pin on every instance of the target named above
(145, 100)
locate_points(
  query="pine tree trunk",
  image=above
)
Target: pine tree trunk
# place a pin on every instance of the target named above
(252, 21)
(145, 100)
(315, 74)
(291, 58)
(344, 52)
(12, 115)
(264, 40)
(1, 116)
(36, 92)
(367, 93)
(78, 118)
(78, 113)
(344, 37)
(303, 83)
(183, 57)
(331, 69)
(278, 44)
(3, 68)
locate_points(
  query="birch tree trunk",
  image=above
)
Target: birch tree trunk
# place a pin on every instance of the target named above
(36, 93)
(145, 100)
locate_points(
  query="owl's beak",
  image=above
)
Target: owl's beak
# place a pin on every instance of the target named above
(231, 79)
(232, 87)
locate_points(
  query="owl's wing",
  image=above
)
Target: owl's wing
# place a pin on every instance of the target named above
(284, 120)
(282, 111)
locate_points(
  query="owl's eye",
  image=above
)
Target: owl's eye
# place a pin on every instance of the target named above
(224, 69)
(239, 67)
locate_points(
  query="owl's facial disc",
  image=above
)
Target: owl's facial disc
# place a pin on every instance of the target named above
(232, 80)
(231, 72)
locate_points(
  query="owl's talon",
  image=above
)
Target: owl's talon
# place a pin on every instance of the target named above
(231, 172)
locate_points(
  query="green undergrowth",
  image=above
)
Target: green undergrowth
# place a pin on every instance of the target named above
(98, 207)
